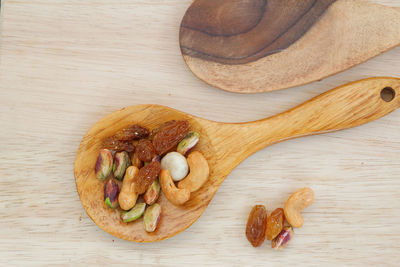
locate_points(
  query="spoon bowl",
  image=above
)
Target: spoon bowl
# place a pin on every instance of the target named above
(224, 145)
(90, 188)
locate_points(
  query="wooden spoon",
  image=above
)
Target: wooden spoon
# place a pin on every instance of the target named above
(225, 145)
(252, 46)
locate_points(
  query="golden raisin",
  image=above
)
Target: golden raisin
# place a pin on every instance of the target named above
(146, 176)
(133, 132)
(169, 135)
(156, 130)
(118, 145)
(274, 224)
(135, 161)
(256, 224)
(145, 150)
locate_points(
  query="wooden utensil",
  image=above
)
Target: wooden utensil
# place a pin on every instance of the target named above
(225, 145)
(253, 46)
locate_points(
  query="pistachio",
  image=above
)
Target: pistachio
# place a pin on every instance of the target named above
(188, 143)
(104, 164)
(152, 217)
(111, 191)
(152, 193)
(283, 238)
(135, 213)
(176, 164)
(121, 162)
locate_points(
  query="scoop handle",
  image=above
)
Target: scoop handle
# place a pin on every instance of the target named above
(344, 107)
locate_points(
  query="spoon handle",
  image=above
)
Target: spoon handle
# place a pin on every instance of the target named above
(341, 108)
(344, 107)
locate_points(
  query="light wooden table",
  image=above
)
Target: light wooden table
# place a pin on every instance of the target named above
(66, 64)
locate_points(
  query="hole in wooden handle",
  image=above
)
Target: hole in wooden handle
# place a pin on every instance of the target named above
(388, 94)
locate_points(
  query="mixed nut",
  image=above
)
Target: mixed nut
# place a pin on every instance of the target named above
(260, 226)
(139, 163)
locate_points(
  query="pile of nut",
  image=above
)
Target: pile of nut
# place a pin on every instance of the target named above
(144, 164)
(260, 226)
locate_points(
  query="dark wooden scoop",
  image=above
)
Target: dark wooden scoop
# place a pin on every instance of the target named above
(252, 46)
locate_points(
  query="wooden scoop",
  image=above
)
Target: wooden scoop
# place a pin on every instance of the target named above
(225, 145)
(253, 46)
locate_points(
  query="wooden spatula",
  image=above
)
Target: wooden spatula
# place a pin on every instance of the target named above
(252, 46)
(225, 145)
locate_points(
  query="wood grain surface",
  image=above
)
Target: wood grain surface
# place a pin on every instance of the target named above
(66, 64)
(252, 46)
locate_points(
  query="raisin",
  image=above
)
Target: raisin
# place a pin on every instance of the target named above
(135, 161)
(133, 132)
(145, 150)
(156, 130)
(256, 224)
(118, 145)
(170, 135)
(153, 133)
(274, 224)
(146, 176)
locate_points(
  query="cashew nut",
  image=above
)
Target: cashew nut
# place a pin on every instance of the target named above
(199, 172)
(174, 195)
(128, 196)
(295, 204)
